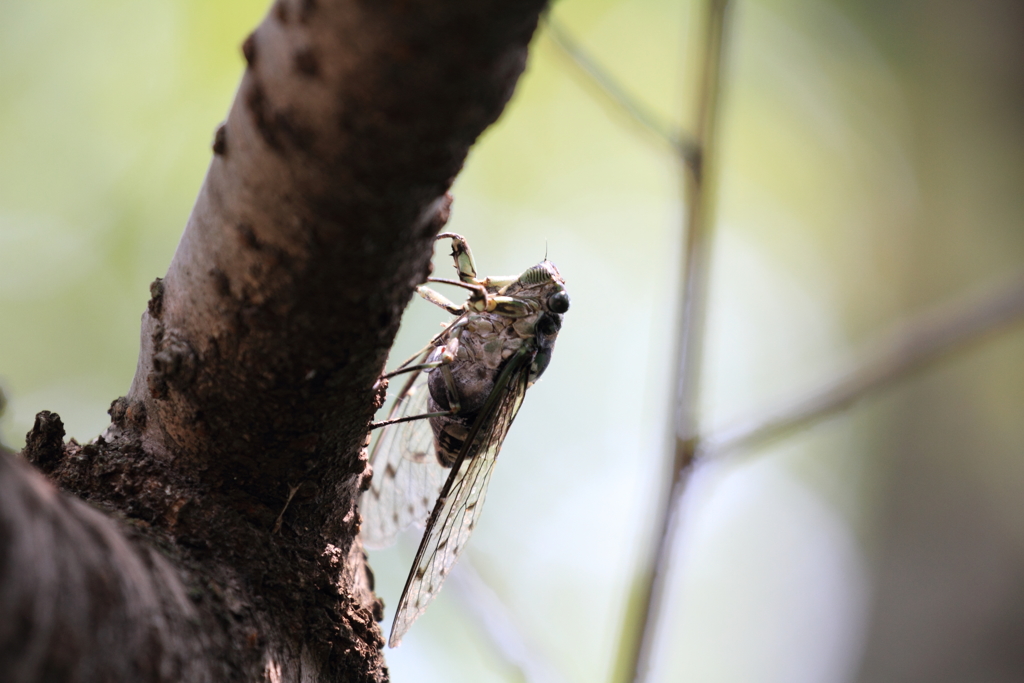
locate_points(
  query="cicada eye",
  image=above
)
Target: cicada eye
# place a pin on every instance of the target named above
(558, 302)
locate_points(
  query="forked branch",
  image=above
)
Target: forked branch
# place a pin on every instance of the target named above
(913, 346)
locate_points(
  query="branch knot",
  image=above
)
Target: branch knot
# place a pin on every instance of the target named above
(44, 444)
(174, 364)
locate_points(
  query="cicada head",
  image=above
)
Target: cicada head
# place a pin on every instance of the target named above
(544, 284)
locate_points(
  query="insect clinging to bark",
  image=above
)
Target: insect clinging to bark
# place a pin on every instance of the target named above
(437, 449)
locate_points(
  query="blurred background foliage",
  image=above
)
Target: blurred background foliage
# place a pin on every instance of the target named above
(869, 167)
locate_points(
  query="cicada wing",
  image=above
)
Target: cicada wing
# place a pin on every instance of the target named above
(459, 504)
(406, 475)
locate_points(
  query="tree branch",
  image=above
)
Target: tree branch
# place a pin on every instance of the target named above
(614, 93)
(82, 602)
(262, 345)
(916, 344)
(637, 648)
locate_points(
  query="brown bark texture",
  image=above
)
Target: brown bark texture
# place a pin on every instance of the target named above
(218, 540)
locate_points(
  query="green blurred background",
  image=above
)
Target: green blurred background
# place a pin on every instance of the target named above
(871, 166)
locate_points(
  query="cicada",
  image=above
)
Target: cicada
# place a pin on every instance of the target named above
(434, 456)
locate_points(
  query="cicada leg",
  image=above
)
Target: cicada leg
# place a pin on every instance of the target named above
(441, 300)
(454, 406)
(408, 418)
(464, 263)
(482, 291)
(445, 355)
(411, 368)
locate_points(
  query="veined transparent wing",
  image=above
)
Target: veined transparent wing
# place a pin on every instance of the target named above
(460, 501)
(406, 475)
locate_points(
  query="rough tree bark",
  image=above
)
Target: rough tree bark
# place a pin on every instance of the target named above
(219, 539)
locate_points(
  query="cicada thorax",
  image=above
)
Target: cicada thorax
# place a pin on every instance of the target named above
(482, 344)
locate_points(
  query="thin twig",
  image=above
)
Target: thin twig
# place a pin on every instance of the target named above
(280, 518)
(614, 93)
(919, 343)
(494, 619)
(696, 257)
